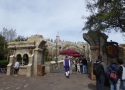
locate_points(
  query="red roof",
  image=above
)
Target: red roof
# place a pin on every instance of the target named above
(68, 51)
(75, 55)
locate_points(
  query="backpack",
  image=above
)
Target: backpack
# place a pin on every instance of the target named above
(123, 72)
(113, 76)
(97, 69)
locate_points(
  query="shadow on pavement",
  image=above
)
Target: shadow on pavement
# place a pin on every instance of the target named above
(92, 86)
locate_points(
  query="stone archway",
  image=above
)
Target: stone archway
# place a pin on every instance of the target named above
(19, 58)
(29, 52)
(96, 41)
(74, 46)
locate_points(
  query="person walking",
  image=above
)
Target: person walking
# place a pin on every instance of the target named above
(100, 79)
(113, 67)
(78, 66)
(75, 62)
(84, 65)
(122, 73)
(16, 67)
(66, 64)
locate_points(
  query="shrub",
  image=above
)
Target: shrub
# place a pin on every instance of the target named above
(3, 63)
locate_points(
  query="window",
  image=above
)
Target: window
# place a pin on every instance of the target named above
(25, 59)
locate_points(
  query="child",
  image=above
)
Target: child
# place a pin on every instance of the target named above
(78, 66)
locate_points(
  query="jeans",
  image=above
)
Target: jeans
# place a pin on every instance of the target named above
(100, 82)
(115, 86)
(84, 69)
(16, 70)
(123, 84)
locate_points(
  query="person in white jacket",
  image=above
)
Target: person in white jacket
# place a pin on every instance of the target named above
(16, 67)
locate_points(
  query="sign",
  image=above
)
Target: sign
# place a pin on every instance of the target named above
(111, 49)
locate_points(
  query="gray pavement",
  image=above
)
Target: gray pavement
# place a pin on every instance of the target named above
(50, 81)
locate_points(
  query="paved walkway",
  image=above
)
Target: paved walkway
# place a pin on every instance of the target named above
(51, 81)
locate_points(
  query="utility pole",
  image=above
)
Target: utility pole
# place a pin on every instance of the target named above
(56, 50)
(57, 47)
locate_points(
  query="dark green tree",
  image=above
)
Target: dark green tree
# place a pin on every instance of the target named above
(105, 15)
(21, 38)
(9, 35)
(2, 47)
(6, 36)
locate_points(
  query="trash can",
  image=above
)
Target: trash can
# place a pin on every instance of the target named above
(43, 70)
(40, 70)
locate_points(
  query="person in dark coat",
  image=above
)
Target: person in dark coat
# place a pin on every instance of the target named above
(100, 80)
(84, 65)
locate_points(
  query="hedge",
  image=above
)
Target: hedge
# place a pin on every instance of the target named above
(3, 63)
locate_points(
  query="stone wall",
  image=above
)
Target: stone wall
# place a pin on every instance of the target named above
(33, 48)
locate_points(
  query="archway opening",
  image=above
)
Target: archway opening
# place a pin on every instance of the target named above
(19, 58)
(25, 59)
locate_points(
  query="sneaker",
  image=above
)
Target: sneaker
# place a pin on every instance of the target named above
(67, 76)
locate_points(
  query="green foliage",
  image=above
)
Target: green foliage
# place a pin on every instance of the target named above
(3, 46)
(49, 58)
(105, 15)
(21, 38)
(122, 45)
(3, 63)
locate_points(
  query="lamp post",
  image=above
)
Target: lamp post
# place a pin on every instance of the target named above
(56, 50)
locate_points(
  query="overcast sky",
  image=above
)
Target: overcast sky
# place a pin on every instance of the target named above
(47, 18)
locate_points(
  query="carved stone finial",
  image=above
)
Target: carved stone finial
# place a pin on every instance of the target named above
(94, 37)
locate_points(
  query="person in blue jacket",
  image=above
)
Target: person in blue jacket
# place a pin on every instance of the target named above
(113, 66)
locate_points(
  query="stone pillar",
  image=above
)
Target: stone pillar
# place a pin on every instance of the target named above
(30, 66)
(96, 41)
(10, 65)
(37, 60)
(94, 54)
(47, 68)
(29, 70)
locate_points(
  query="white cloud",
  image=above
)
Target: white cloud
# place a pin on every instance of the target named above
(45, 17)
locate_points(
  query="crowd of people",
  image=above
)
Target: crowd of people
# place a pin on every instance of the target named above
(81, 66)
(79, 63)
(113, 73)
